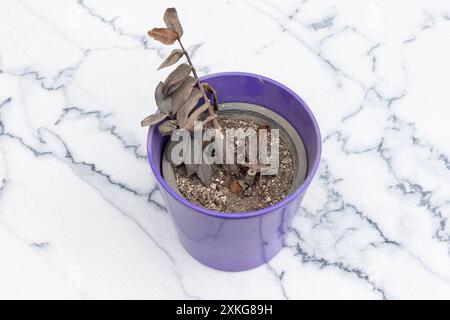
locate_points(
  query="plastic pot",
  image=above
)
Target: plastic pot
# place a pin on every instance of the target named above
(241, 241)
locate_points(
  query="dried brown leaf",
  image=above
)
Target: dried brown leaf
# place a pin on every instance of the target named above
(173, 57)
(191, 169)
(195, 116)
(153, 119)
(172, 21)
(188, 105)
(173, 88)
(175, 78)
(235, 187)
(163, 35)
(168, 153)
(208, 119)
(167, 127)
(164, 104)
(204, 173)
(211, 90)
(181, 94)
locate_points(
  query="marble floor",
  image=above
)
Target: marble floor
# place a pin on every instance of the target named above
(80, 214)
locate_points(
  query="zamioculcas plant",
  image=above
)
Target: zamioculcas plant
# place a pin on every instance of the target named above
(178, 95)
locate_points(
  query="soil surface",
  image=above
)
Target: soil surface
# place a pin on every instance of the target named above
(228, 191)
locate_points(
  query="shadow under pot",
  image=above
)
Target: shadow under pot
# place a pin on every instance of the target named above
(235, 241)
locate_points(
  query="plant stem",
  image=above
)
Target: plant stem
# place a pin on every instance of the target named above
(210, 109)
(188, 59)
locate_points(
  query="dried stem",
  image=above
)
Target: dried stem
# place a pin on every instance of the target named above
(212, 114)
(250, 177)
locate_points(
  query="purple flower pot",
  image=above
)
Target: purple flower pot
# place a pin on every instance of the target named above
(240, 241)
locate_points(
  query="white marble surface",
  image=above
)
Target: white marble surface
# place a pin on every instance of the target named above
(79, 213)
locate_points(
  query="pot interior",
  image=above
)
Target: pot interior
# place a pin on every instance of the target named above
(249, 111)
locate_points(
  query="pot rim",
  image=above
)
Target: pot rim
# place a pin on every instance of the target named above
(248, 214)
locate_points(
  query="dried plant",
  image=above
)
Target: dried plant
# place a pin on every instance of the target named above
(178, 95)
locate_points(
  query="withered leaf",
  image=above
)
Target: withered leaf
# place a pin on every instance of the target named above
(163, 35)
(195, 116)
(181, 94)
(192, 157)
(204, 173)
(168, 154)
(164, 104)
(153, 119)
(191, 169)
(167, 127)
(235, 187)
(175, 78)
(188, 105)
(172, 21)
(208, 119)
(173, 88)
(173, 57)
(211, 90)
